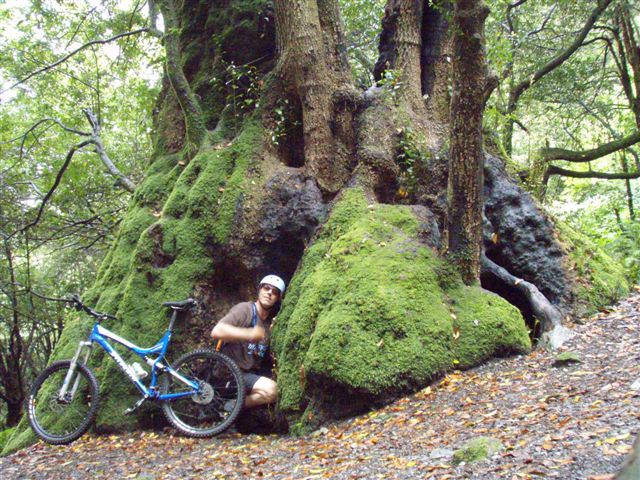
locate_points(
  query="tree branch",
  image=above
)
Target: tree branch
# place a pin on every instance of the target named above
(549, 154)
(549, 315)
(191, 109)
(51, 191)
(97, 141)
(555, 170)
(555, 62)
(544, 22)
(71, 54)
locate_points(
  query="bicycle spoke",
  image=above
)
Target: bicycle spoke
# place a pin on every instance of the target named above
(220, 381)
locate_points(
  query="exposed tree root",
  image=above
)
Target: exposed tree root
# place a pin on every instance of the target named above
(554, 334)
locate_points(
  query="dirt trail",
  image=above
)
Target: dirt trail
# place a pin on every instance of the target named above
(572, 422)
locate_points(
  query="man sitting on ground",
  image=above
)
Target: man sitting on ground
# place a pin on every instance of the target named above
(246, 330)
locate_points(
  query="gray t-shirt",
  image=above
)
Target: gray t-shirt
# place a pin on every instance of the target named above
(241, 315)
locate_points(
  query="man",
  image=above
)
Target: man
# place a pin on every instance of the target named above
(245, 330)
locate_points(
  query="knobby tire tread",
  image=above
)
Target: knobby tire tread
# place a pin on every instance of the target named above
(209, 432)
(91, 415)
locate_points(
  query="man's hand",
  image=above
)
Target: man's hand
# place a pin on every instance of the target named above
(258, 334)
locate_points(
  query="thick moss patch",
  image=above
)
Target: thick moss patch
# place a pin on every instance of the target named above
(601, 281)
(367, 317)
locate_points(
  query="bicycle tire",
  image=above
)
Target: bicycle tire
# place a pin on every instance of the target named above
(56, 421)
(203, 417)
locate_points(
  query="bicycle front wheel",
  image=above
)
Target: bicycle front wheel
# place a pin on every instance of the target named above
(60, 419)
(219, 400)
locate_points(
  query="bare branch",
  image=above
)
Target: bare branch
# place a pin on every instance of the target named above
(80, 23)
(51, 191)
(40, 122)
(71, 54)
(97, 141)
(549, 154)
(555, 170)
(513, 6)
(521, 125)
(544, 22)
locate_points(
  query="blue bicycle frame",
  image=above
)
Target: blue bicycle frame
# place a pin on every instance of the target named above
(100, 334)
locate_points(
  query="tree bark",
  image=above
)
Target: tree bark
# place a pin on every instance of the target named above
(437, 53)
(415, 47)
(406, 43)
(466, 157)
(318, 85)
(11, 352)
(191, 109)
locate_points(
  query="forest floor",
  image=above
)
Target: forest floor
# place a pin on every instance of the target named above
(576, 421)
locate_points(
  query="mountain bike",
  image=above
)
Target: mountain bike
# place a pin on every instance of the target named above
(201, 393)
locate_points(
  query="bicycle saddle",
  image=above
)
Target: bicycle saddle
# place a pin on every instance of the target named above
(182, 305)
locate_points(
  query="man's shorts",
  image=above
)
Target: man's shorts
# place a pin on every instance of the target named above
(250, 379)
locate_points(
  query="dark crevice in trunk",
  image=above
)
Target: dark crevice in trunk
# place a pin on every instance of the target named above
(286, 255)
(386, 47)
(289, 132)
(434, 32)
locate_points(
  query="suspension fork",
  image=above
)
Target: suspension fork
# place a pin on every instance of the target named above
(72, 370)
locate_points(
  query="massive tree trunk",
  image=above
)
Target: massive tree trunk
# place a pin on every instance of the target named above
(342, 193)
(314, 75)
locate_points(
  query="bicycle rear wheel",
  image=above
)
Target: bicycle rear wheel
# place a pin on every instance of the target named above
(219, 402)
(60, 420)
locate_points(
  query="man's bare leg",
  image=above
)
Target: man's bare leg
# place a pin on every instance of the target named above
(264, 391)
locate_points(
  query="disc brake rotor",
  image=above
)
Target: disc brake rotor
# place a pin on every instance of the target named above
(205, 395)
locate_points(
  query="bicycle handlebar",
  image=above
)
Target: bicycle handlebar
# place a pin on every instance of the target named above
(78, 305)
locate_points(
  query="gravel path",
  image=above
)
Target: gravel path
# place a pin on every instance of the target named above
(576, 421)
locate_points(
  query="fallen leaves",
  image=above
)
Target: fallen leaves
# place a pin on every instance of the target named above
(555, 423)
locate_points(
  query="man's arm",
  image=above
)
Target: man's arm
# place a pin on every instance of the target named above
(229, 333)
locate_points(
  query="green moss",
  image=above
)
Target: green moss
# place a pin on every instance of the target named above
(366, 313)
(485, 325)
(22, 435)
(161, 175)
(5, 435)
(567, 358)
(477, 449)
(601, 280)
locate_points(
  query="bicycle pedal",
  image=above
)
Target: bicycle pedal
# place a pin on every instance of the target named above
(130, 410)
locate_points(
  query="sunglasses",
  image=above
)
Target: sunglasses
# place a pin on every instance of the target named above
(270, 289)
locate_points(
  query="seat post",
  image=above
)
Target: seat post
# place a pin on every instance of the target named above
(174, 315)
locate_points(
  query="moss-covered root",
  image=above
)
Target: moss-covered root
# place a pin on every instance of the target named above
(368, 315)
